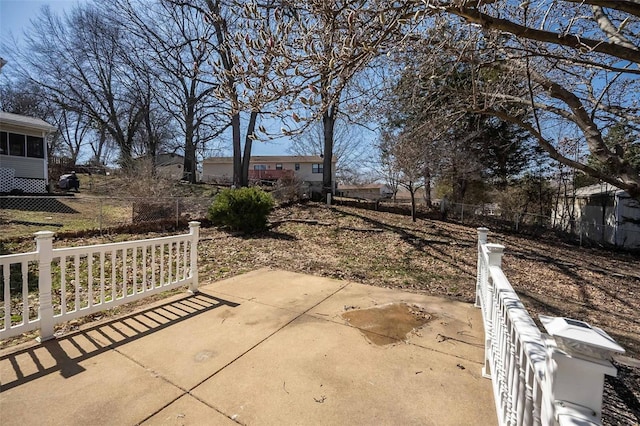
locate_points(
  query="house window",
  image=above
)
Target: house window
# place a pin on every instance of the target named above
(260, 167)
(316, 168)
(35, 147)
(4, 149)
(16, 144)
(297, 166)
(279, 166)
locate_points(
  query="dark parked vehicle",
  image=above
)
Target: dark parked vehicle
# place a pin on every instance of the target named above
(69, 182)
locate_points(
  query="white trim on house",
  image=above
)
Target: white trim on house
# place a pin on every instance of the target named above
(27, 123)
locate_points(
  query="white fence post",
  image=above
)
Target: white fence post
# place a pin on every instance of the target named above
(194, 231)
(482, 239)
(177, 212)
(44, 247)
(577, 360)
(495, 254)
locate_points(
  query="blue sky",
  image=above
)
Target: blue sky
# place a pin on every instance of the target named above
(16, 14)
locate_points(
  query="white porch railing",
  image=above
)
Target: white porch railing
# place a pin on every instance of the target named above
(50, 286)
(538, 379)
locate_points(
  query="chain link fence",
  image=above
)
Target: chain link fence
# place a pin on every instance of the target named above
(586, 232)
(625, 235)
(21, 216)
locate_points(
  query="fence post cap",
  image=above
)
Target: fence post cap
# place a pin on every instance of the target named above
(44, 234)
(194, 223)
(580, 339)
(483, 229)
(494, 248)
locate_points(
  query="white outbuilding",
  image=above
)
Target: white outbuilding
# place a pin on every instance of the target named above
(23, 153)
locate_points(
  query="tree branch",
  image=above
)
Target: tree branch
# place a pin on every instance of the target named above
(473, 15)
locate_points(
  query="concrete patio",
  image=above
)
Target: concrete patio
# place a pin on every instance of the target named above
(264, 348)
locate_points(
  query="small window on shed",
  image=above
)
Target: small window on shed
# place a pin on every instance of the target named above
(297, 166)
(278, 166)
(4, 147)
(35, 147)
(16, 144)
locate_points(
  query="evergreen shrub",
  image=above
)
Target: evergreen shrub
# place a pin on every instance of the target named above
(242, 209)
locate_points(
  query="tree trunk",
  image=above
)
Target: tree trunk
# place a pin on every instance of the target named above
(248, 143)
(328, 123)
(98, 151)
(189, 166)
(237, 154)
(427, 188)
(126, 160)
(412, 191)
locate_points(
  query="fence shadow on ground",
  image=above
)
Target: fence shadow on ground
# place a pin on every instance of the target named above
(36, 204)
(419, 242)
(65, 354)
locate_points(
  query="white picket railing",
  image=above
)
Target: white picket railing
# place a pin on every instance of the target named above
(50, 286)
(538, 379)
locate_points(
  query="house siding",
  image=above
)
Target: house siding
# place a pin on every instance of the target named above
(216, 170)
(602, 214)
(628, 229)
(25, 167)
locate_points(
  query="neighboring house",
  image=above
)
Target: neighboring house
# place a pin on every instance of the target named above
(170, 166)
(373, 191)
(167, 165)
(404, 196)
(23, 153)
(602, 213)
(307, 169)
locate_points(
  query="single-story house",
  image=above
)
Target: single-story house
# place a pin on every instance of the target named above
(23, 153)
(308, 169)
(603, 213)
(372, 191)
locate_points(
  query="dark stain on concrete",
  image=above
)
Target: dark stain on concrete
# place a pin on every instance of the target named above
(386, 324)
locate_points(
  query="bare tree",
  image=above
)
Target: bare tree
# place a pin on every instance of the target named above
(406, 157)
(74, 128)
(247, 66)
(578, 60)
(175, 79)
(79, 61)
(332, 42)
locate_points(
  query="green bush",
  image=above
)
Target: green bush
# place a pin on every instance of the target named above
(243, 209)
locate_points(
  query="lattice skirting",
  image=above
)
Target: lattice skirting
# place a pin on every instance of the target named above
(28, 185)
(6, 179)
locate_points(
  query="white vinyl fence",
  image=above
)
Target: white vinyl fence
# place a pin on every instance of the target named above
(49, 286)
(553, 378)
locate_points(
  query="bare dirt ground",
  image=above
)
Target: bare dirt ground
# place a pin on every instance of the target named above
(551, 276)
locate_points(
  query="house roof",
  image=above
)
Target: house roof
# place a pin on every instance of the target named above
(271, 159)
(26, 122)
(169, 159)
(599, 189)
